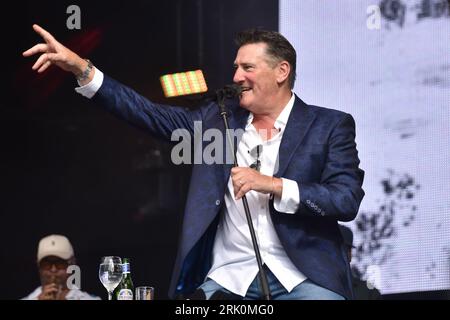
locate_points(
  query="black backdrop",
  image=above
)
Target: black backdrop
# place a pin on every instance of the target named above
(68, 167)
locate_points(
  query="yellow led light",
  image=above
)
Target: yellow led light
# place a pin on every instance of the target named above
(184, 83)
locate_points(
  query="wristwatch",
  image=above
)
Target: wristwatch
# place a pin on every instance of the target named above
(86, 72)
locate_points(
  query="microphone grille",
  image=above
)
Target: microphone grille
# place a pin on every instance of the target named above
(233, 90)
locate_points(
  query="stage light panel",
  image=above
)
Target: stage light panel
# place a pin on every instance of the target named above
(183, 84)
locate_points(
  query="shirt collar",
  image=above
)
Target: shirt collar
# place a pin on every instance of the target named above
(281, 121)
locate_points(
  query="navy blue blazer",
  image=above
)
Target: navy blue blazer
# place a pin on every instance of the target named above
(318, 151)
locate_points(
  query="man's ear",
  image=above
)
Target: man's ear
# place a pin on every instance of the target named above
(283, 71)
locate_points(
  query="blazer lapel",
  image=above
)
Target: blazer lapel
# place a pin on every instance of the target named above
(299, 122)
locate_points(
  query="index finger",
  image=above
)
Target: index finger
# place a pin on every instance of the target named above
(43, 33)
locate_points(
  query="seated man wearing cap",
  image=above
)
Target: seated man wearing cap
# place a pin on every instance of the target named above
(55, 255)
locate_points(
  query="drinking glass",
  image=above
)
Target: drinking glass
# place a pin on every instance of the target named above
(145, 293)
(110, 273)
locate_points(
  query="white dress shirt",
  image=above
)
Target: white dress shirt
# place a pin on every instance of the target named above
(234, 262)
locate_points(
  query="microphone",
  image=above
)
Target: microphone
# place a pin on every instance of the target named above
(233, 90)
(230, 91)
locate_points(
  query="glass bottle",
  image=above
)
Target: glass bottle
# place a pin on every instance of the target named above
(125, 290)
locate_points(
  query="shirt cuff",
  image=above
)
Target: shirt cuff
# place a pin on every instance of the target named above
(290, 198)
(92, 87)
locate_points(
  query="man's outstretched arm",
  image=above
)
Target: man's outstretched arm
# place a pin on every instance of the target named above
(124, 102)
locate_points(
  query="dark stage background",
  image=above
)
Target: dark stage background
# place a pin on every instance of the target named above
(68, 167)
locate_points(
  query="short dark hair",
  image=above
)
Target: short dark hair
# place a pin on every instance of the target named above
(278, 47)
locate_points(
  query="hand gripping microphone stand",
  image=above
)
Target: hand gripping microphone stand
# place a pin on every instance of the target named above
(232, 91)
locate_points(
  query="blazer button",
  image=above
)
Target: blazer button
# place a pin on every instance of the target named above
(308, 201)
(218, 203)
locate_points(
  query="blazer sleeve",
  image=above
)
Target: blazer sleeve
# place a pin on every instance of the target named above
(159, 120)
(339, 193)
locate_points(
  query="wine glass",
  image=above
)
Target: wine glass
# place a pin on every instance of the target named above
(110, 273)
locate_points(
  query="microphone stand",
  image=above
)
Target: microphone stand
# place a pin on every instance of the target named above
(221, 96)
